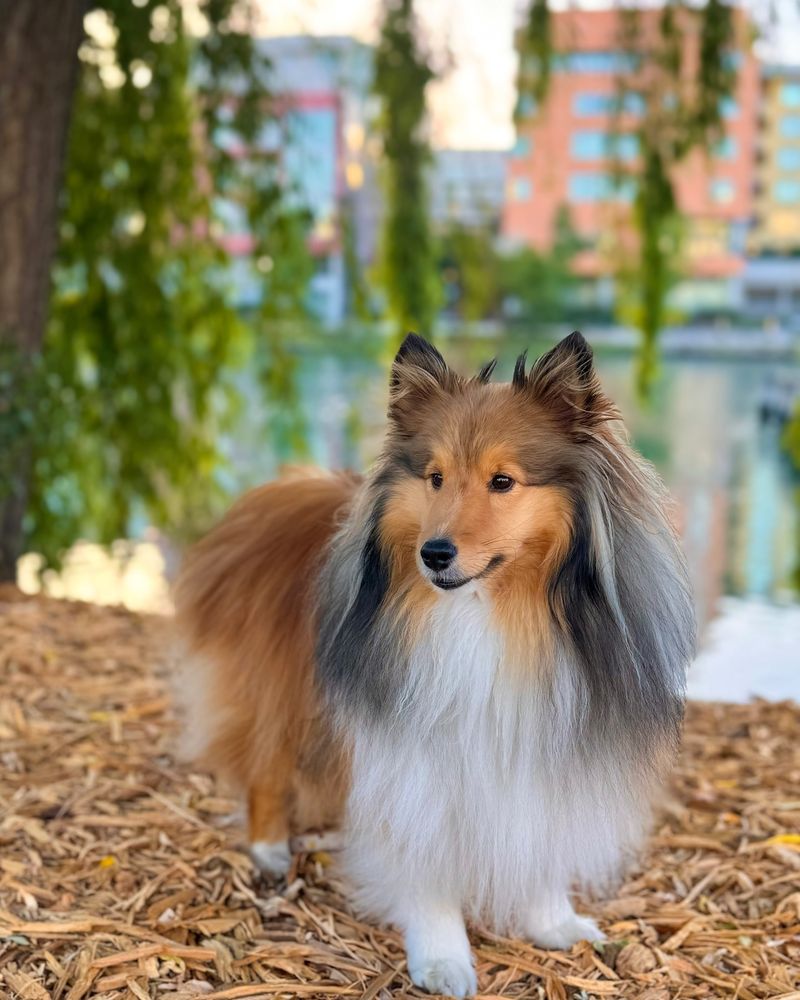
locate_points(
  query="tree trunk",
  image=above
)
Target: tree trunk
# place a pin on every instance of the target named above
(39, 42)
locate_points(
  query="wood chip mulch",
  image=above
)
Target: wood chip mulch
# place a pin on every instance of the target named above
(123, 873)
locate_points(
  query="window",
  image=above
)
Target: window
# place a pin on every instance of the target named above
(521, 188)
(596, 62)
(728, 108)
(626, 146)
(722, 191)
(587, 187)
(526, 106)
(588, 105)
(523, 146)
(790, 95)
(588, 145)
(788, 159)
(787, 192)
(726, 149)
(790, 127)
(732, 61)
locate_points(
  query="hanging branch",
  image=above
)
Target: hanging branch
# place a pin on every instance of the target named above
(682, 113)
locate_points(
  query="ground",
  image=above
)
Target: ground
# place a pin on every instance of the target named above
(124, 874)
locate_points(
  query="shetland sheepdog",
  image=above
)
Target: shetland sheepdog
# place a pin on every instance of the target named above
(473, 658)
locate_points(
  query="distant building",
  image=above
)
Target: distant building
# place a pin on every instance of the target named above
(322, 86)
(770, 281)
(777, 200)
(564, 154)
(467, 186)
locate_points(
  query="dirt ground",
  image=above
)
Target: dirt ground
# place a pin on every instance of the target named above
(123, 873)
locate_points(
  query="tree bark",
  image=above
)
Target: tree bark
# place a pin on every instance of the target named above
(39, 42)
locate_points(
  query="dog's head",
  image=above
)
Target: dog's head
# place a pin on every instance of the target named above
(480, 476)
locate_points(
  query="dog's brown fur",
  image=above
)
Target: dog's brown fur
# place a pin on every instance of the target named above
(245, 608)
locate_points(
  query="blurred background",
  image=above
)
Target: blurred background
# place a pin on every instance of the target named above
(217, 218)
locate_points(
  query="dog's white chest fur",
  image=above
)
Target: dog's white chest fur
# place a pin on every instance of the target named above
(469, 791)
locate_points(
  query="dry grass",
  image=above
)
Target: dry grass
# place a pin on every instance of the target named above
(124, 876)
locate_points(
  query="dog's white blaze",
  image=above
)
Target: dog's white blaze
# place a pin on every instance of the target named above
(473, 796)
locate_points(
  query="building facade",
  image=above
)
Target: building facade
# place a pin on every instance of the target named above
(567, 150)
(776, 227)
(322, 88)
(466, 187)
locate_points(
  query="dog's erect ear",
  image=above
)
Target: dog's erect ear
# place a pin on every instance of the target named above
(565, 381)
(418, 372)
(416, 355)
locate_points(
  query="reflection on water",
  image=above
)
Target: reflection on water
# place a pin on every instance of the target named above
(734, 488)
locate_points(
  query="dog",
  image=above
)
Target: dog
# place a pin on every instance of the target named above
(474, 658)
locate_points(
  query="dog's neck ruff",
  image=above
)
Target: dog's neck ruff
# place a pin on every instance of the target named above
(475, 780)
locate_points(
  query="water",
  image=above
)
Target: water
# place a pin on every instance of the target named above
(735, 489)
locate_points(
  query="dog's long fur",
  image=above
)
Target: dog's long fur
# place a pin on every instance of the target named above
(498, 742)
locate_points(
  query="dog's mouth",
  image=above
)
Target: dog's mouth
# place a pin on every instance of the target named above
(445, 582)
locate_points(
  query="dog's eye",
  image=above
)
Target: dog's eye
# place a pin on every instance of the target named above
(436, 480)
(500, 483)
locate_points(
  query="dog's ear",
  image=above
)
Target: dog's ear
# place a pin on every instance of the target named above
(565, 381)
(419, 372)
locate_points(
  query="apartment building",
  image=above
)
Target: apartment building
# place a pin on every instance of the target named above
(565, 153)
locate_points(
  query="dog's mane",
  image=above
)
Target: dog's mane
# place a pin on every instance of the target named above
(619, 603)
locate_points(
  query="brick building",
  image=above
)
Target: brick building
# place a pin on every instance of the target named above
(565, 152)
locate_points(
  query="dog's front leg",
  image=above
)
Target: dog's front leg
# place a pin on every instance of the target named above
(439, 955)
(551, 922)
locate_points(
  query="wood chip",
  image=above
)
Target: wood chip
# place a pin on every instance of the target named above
(124, 873)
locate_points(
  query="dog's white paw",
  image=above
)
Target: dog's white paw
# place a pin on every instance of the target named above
(452, 977)
(565, 934)
(272, 859)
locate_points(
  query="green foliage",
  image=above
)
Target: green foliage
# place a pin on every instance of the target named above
(142, 328)
(678, 119)
(791, 445)
(402, 74)
(469, 266)
(359, 303)
(541, 285)
(536, 52)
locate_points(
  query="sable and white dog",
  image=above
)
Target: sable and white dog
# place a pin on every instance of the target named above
(474, 657)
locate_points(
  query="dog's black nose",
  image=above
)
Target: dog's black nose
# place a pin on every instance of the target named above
(438, 553)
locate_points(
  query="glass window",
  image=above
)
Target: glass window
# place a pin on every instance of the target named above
(728, 108)
(586, 187)
(788, 158)
(787, 192)
(790, 127)
(526, 106)
(588, 104)
(790, 95)
(521, 188)
(722, 191)
(596, 62)
(726, 149)
(626, 146)
(633, 104)
(588, 145)
(523, 146)
(732, 60)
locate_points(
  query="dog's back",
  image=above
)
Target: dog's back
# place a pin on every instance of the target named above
(246, 615)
